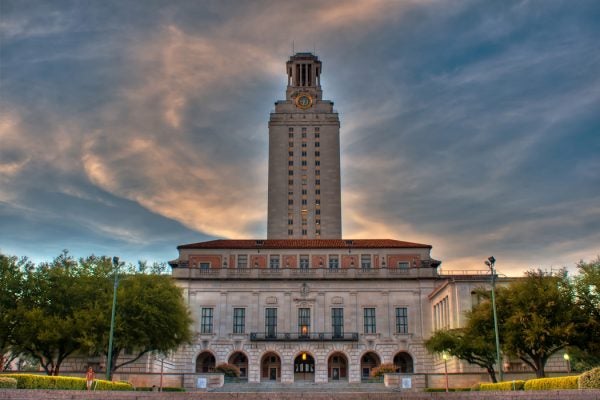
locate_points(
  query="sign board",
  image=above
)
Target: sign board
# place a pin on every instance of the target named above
(406, 383)
(201, 384)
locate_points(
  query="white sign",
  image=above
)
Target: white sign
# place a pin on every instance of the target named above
(406, 383)
(201, 384)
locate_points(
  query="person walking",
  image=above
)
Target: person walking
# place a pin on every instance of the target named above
(89, 378)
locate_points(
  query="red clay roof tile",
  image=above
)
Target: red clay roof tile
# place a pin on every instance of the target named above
(303, 244)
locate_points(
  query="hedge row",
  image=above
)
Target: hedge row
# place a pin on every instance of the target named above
(8, 383)
(590, 379)
(31, 381)
(563, 382)
(508, 385)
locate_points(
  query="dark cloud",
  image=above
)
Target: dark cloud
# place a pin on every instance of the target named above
(132, 127)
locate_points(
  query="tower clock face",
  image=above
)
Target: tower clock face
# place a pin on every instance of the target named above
(304, 101)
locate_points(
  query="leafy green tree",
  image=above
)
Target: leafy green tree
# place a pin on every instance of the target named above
(587, 295)
(474, 343)
(12, 279)
(537, 317)
(151, 316)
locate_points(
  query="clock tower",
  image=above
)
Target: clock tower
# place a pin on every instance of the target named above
(304, 158)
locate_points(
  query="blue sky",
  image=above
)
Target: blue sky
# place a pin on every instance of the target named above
(130, 127)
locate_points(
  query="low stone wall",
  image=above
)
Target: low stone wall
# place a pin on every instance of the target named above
(105, 395)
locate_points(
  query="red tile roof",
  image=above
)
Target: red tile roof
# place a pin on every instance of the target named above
(304, 244)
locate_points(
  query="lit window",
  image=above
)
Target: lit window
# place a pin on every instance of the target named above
(304, 322)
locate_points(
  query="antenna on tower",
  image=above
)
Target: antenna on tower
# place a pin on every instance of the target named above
(293, 48)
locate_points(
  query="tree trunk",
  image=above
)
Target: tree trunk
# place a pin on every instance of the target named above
(492, 374)
(539, 368)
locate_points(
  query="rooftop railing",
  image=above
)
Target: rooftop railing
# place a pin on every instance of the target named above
(299, 337)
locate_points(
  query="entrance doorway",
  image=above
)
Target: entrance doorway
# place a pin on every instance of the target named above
(205, 362)
(270, 367)
(240, 360)
(368, 362)
(304, 368)
(403, 363)
(337, 367)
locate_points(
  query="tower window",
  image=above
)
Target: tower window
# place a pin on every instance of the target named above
(304, 163)
(304, 262)
(317, 154)
(317, 162)
(369, 320)
(290, 153)
(290, 221)
(290, 232)
(318, 222)
(304, 232)
(290, 182)
(290, 129)
(303, 144)
(317, 182)
(317, 135)
(291, 135)
(290, 163)
(274, 262)
(317, 144)
(304, 202)
(303, 134)
(290, 202)
(291, 144)
(317, 129)
(318, 191)
(318, 202)
(304, 154)
(318, 211)
(290, 172)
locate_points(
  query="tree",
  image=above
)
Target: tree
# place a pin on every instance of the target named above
(151, 315)
(54, 311)
(587, 299)
(12, 279)
(474, 343)
(537, 317)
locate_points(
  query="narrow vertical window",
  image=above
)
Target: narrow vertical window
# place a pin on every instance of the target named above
(304, 262)
(369, 320)
(239, 320)
(271, 322)
(206, 323)
(365, 261)
(242, 261)
(337, 322)
(334, 262)
(274, 262)
(401, 320)
(304, 322)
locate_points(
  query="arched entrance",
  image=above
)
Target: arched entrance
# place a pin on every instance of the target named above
(304, 367)
(270, 367)
(337, 367)
(403, 363)
(205, 362)
(368, 361)
(240, 360)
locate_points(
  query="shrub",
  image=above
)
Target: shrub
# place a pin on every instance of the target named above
(383, 369)
(32, 381)
(8, 383)
(590, 379)
(563, 382)
(507, 385)
(228, 369)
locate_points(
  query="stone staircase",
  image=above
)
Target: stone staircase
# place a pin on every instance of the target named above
(302, 387)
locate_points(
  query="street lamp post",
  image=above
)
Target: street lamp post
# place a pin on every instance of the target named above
(445, 357)
(490, 262)
(568, 360)
(115, 261)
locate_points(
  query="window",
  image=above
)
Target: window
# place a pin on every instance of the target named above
(291, 129)
(304, 322)
(290, 181)
(303, 134)
(304, 163)
(204, 266)
(304, 191)
(317, 144)
(290, 153)
(304, 232)
(318, 191)
(206, 323)
(318, 222)
(274, 262)
(317, 162)
(303, 130)
(337, 322)
(304, 262)
(291, 144)
(239, 320)
(290, 232)
(403, 265)
(318, 232)
(270, 322)
(317, 129)
(290, 163)
(304, 154)
(369, 321)
(291, 135)
(334, 262)
(318, 182)
(304, 180)
(304, 145)
(242, 261)
(290, 192)
(401, 320)
(290, 202)
(317, 154)
(318, 211)
(290, 172)
(304, 202)
(318, 202)
(365, 261)
(290, 221)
